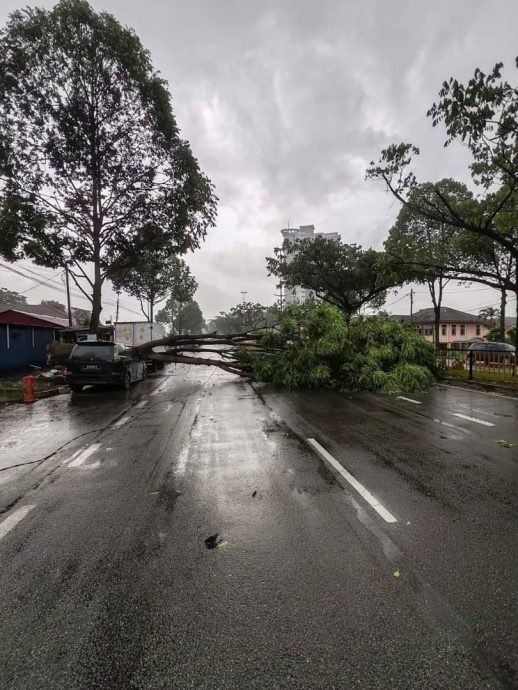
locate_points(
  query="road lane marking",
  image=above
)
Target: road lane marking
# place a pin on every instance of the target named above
(84, 455)
(402, 397)
(371, 500)
(451, 426)
(473, 419)
(121, 422)
(183, 459)
(142, 403)
(11, 521)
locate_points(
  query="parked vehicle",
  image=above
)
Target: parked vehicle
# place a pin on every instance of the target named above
(103, 362)
(134, 333)
(492, 347)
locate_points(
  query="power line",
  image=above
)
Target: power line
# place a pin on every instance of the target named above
(396, 301)
(60, 288)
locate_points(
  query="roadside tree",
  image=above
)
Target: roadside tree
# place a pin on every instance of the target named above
(151, 273)
(245, 316)
(345, 275)
(482, 116)
(11, 297)
(422, 250)
(182, 317)
(90, 149)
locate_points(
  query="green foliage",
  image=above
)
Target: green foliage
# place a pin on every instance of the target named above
(313, 346)
(11, 297)
(494, 335)
(481, 116)
(245, 316)
(150, 271)
(182, 318)
(89, 148)
(342, 274)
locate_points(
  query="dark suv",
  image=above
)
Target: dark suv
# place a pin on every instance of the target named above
(102, 362)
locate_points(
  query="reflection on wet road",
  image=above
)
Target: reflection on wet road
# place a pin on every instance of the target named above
(192, 538)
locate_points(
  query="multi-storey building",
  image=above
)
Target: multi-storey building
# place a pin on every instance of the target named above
(298, 293)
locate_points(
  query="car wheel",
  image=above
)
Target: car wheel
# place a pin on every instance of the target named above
(127, 380)
(76, 387)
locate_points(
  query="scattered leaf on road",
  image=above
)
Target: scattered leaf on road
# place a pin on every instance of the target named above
(396, 573)
(506, 444)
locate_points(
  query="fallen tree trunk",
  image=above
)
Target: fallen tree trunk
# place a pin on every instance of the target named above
(190, 349)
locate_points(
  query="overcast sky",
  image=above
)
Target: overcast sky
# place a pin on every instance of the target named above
(285, 103)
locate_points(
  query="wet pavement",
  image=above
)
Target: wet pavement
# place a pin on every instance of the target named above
(185, 535)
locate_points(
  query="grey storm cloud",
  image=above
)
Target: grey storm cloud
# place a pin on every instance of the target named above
(285, 103)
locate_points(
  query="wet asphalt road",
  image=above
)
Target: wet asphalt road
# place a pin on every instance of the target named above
(106, 581)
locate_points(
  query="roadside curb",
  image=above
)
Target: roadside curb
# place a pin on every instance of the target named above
(496, 389)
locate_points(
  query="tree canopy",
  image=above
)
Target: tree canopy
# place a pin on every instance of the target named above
(482, 115)
(182, 317)
(90, 149)
(11, 297)
(150, 272)
(345, 275)
(245, 316)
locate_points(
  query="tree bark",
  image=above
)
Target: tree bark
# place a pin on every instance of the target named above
(503, 302)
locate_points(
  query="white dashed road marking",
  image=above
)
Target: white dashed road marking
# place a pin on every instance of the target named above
(473, 419)
(142, 403)
(121, 422)
(76, 462)
(416, 402)
(371, 500)
(13, 519)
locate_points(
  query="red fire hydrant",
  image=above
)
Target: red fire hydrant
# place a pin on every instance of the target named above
(28, 388)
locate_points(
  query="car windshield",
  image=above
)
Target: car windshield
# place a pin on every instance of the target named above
(103, 353)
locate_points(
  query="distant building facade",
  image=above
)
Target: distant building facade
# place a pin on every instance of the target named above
(299, 294)
(457, 328)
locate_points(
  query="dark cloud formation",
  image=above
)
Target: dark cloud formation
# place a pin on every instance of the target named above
(286, 102)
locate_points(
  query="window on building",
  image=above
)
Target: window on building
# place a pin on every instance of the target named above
(477, 329)
(443, 329)
(454, 329)
(463, 329)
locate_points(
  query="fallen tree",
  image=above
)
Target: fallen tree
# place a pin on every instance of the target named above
(312, 346)
(190, 349)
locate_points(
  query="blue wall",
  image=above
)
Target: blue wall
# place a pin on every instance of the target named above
(22, 352)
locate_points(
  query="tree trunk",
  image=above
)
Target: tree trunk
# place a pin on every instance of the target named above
(436, 296)
(95, 320)
(502, 315)
(516, 326)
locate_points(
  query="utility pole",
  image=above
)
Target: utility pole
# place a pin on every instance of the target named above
(411, 306)
(117, 309)
(69, 307)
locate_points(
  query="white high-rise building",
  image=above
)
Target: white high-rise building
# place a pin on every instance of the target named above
(298, 293)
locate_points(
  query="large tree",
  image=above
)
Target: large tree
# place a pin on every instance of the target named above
(421, 249)
(90, 150)
(342, 274)
(150, 272)
(482, 116)
(245, 316)
(182, 318)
